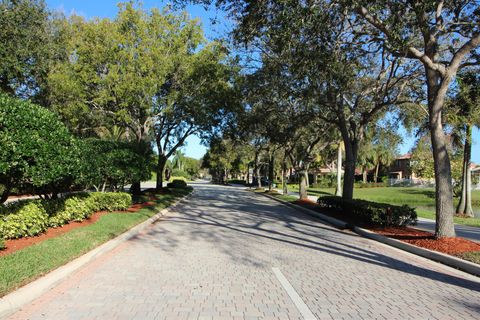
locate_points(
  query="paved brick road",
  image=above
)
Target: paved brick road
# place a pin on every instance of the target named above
(213, 258)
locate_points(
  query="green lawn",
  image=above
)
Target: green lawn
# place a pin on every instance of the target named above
(421, 198)
(25, 265)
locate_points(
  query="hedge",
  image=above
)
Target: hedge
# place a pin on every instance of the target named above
(371, 212)
(177, 183)
(32, 217)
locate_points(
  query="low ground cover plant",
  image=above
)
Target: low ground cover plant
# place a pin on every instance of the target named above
(29, 218)
(373, 213)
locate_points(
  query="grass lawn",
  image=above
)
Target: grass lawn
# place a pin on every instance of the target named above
(25, 265)
(471, 256)
(421, 198)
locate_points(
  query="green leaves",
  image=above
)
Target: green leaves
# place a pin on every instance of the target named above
(37, 149)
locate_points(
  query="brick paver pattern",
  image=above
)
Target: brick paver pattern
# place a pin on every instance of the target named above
(212, 258)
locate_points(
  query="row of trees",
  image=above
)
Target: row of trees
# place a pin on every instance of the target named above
(143, 78)
(329, 71)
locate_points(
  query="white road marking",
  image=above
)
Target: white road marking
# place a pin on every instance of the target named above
(301, 306)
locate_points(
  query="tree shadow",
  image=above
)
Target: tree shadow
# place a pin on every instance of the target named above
(233, 221)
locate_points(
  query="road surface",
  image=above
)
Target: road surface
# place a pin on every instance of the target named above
(231, 254)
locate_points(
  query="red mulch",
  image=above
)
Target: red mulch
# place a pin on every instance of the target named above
(17, 244)
(452, 246)
(305, 202)
(419, 238)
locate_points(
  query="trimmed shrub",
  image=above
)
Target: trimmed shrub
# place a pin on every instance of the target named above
(32, 217)
(114, 163)
(177, 183)
(371, 212)
(27, 220)
(37, 149)
(111, 201)
(234, 181)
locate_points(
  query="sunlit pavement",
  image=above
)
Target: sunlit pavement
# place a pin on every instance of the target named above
(231, 254)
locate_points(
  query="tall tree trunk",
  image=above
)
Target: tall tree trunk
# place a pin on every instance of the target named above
(364, 174)
(247, 182)
(271, 163)
(377, 168)
(161, 162)
(338, 192)
(465, 203)
(302, 185)
(441, 162)
(351, 151)
(284, 176)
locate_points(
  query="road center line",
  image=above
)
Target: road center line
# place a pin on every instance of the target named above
(301, 306)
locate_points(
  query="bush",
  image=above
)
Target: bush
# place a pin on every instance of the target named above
(27, 220)
(2, 244)
(326, 181)
(114, 163)
(32, 217)
(234, 181)
(371, 185)
(371, 212)
(37, 150)
(180, 173)
(177, 183)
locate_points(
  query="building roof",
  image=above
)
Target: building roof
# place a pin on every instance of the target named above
(404, 156)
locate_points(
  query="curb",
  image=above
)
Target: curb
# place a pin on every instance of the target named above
(448, 260)
(13, 301)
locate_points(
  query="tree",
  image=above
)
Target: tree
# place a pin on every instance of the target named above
(444, 38)
(25, 35)
(466, 114)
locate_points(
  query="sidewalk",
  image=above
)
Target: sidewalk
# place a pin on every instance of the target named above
(463, 231)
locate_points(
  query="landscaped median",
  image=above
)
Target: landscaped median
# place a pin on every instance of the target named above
(58, 231)
(389, 224)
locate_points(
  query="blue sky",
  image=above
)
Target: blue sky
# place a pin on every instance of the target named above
(215, 25)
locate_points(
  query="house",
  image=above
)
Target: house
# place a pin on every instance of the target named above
(401, 169)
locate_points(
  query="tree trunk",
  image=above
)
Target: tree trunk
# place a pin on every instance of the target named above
(364, 175)
(5, 193)
(377, 168)
(465, 203)
(338, 192)
(302, 185)
(307, 179)
(161, 162)
(441, 162)
(271, 163)
(135, 188)
(284, 177)
(351, 151)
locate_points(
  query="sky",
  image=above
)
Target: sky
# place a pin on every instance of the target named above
(215, 25)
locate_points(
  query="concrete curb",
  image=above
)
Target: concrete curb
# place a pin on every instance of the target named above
(448, 260)
(26, 294)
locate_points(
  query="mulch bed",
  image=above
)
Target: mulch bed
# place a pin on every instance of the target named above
(419, 238)
(424, 239)
(18, 244)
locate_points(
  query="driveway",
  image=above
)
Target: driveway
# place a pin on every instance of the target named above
(231, 254)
